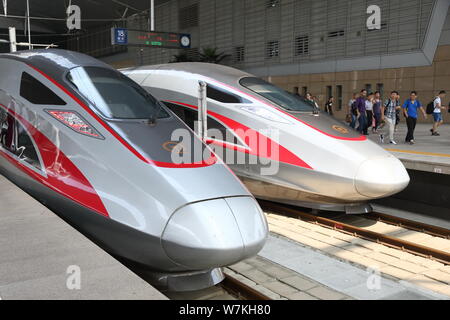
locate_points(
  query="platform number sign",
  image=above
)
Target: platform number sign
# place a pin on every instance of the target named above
(145, 38)
(119, 36)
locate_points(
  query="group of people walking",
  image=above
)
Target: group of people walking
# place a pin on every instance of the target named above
(368, 111)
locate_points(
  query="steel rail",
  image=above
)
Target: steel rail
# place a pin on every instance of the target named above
(409, 224)
(241, 290)
(389, 241)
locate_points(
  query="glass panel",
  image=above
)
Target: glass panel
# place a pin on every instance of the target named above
(222, 96)
(115, 95)
(190, 116)
(276, 95)
(7, 124)
(25, 148)
(37, 93)
(15, 139)
(339, 96)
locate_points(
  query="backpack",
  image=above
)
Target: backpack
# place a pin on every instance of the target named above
(388, 104)
(354, 108)
(430, 107)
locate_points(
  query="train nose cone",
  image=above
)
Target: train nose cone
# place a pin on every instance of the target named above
(381, 177)
(215, 233)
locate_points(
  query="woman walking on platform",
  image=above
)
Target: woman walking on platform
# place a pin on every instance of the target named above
(377, 111)
(369, 110)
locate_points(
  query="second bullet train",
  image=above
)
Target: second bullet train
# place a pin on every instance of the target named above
(292, 154)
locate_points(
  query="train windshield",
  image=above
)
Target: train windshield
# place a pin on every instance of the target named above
(115, 95)
(282, 98)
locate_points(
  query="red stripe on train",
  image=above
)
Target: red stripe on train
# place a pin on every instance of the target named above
(360, 138)
(243, 132)
(63, 176)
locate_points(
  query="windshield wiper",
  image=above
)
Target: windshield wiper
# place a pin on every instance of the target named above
(155, 114)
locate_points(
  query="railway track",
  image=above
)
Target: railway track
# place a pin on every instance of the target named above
(343, 224)
(411, 225)
(241, 290)
(229, 289)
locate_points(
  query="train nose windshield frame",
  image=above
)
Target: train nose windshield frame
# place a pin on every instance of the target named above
(114, 95)
(276, 95)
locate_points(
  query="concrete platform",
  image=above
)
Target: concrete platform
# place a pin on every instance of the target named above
(429, 154)
(340, 275)
(428, 163)
(37, 249)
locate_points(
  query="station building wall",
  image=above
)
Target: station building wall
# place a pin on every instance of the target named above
(263, 33)
(320, 46)
(427, 80)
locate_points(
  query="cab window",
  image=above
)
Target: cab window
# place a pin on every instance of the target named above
(276, 95)
(114, 95)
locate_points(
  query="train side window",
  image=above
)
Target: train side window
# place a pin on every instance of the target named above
(226, 135)
(25, 149)
(37, 93)
(7, 129)
(190, 116)
(15, 139)
(187, 115)
(222, 96)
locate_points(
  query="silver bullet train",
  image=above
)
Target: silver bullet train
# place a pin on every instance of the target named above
(317, 162)
(96, 149)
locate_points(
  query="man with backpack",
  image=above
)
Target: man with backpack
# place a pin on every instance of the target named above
(389, 115)
(410, 110)
(437, 108)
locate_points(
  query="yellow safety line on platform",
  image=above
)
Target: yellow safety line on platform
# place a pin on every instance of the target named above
(420, 153)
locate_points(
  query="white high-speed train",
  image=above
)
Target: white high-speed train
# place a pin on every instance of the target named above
(319, 162)
(91, 145)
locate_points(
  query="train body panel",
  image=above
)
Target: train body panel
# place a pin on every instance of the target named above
(115, 178)
(320, 164)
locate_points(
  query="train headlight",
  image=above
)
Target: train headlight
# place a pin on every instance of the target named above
(266, 114)
(75, 122)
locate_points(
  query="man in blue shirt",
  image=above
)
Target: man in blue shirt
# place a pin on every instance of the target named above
(410, 110)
